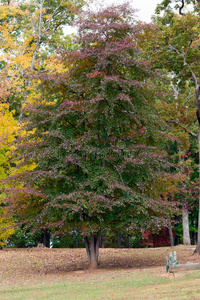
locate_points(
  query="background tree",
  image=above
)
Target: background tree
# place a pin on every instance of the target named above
(30, 33)
(174, 48)
(8, 131)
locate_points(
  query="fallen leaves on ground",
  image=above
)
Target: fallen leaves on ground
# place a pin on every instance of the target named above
(23, 265)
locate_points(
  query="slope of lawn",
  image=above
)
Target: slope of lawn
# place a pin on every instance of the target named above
(122, 274)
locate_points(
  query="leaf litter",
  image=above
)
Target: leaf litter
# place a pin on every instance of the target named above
(20, 266)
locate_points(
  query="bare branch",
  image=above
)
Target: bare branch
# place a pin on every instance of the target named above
(175, 90)
(181, 7)
(50, 19)
(185, 61)
(191, 96)
(186, 130)
(188, 65)
(176, 50)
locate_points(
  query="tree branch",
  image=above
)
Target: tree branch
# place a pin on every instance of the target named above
(176, 50)
(185, 61)
(51, 18)
(186, 130)
(181, 7)
(188, 65)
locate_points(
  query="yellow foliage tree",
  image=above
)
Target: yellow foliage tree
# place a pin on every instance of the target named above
(8, 131)
(31, 31)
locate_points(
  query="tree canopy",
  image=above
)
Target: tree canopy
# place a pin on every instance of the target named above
(95, 137)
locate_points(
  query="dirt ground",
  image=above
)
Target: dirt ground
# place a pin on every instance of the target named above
(24, 265)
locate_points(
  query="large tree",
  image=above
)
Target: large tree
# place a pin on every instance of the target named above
(94, 136)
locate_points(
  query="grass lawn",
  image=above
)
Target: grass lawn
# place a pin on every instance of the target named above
(122, 274)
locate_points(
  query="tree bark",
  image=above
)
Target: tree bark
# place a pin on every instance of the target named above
(46, 238)
(186, 229)
(103, 240)
(194, 237)
(197, 250)
(92, 249)
(119, 238)
(185, 216)
(171, 238)
(126, 241)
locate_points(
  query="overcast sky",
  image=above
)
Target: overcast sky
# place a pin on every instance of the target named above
(145, 8)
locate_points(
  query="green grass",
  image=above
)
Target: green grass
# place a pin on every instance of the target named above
(108, 284)
(123, 274)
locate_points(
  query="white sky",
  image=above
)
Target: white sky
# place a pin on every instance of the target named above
(145, 9)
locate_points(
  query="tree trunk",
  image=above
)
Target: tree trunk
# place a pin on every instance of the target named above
(126, 241)
(186, 229)
(185, 217)
(194, 237)
(171, 238)
(197, 250)
(119, 238)
(46, 238)
(103, 240)
(92, 249)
